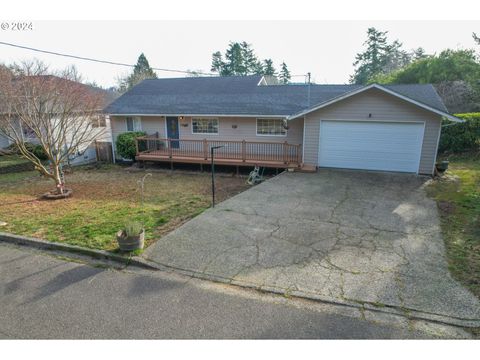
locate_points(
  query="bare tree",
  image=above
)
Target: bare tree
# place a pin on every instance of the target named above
(53, 107)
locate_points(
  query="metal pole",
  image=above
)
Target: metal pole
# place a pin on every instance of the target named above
(213, 172)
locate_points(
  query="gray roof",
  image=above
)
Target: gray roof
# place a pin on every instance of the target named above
(241, 95)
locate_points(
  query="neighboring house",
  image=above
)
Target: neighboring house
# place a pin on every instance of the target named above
(389, 128)
(87, 153)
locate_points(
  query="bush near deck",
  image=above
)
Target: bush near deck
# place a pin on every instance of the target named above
(125, 144)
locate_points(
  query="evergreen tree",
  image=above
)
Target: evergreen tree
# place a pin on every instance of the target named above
(372, 61)
(418, 53)
(234, 61)
(395, 57)
(252, 65)
(268, 68)
(217, 62)
(141, 71)
(240, 59)
(284, 75)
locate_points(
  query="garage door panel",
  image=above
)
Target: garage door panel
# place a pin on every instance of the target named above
(370, 145)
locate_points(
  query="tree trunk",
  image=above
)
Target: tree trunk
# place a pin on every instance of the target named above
(57, 177)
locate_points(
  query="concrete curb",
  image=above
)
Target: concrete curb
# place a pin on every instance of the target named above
(151, 265)
(96, 254)
(412, 314)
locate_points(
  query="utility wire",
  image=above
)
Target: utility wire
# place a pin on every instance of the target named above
(99, 61)
(111, 62)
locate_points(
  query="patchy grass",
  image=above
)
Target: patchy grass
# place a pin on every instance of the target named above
(11, 160)
(104, 200)
(458, 198)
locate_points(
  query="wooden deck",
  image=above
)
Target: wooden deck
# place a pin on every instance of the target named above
(236, 153)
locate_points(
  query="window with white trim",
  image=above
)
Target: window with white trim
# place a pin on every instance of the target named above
(205, 126)
(133, 123)
(98, 121)
(271, 127)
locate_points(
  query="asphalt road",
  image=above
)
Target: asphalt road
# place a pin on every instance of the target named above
(44, 296)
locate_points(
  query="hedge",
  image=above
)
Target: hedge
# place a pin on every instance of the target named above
(126, 144)
(461, 137)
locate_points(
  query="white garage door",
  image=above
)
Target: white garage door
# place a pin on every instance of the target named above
(370, 145)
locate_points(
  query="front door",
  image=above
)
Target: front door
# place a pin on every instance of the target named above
(172, 130)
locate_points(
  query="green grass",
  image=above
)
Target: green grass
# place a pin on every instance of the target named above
(11, 160)
(104, 201)
(458, 198)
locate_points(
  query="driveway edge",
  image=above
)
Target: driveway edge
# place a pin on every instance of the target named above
(411, 314)
(96, 254)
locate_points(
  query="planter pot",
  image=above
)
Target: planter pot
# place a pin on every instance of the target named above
(130, 243)
(442, 166)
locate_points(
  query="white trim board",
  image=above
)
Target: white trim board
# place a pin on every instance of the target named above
(379, 87)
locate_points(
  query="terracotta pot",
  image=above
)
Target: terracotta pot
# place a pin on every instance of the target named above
(130, 243)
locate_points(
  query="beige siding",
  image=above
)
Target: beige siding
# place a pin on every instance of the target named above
(383, 107)
(246, 129)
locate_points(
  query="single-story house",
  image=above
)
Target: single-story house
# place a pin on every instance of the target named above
(373, 127)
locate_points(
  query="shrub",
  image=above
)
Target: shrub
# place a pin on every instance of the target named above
(39, 152)
(126, 144)
(36, 150)
(460, 137)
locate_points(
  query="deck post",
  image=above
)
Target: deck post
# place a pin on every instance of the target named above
(285, 148)
(205, 149)
(136, 145)
(299, 154)
(244, 150)
(169, 148)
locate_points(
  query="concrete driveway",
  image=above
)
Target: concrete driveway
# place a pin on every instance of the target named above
(358, 238)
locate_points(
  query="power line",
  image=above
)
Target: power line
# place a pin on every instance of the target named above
(99, 61)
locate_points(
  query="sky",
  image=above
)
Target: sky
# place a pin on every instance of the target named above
(326, 49)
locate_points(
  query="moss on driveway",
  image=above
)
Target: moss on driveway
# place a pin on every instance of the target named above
(103, 201)
(458, 198)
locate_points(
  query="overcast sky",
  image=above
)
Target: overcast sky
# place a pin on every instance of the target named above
(325, 48)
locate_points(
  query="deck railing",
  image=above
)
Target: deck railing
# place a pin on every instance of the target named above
(238, 151)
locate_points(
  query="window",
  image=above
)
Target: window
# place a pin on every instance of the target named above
(273, 127)
(204, 126)
(133, 124)
(99, 121)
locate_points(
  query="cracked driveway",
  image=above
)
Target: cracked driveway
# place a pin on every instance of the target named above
(343, 236)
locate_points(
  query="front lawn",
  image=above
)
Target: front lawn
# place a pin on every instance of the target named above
(103, 201)
(458, 198)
